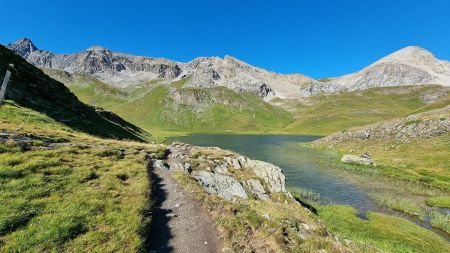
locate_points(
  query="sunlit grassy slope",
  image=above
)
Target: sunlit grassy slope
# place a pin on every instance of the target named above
(31, 88)
(87, 194)
(325, 114)
(152, 107)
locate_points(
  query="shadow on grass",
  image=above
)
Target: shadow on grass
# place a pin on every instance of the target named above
(157, 232)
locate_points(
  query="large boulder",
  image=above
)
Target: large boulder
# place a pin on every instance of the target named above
(225, 186)
(364, 159)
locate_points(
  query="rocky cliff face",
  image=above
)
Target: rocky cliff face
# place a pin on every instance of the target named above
(408, 66)
(124, 70)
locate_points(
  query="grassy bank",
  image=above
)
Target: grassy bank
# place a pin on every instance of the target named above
(397, 189)
(381, 233)
(68, 191)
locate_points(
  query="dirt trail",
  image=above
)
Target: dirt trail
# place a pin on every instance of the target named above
(180, 224)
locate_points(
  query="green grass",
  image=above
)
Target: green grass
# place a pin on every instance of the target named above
(304, 194)
(441, 221)
(72, 199)
(153, 108)
(89, 196)
(388, 233)
(439, 201)
(325, 114)
(398, 203)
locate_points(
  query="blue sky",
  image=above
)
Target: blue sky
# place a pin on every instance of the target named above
(318, 38)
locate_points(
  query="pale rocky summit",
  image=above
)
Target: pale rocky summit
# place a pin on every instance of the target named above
(111, 67)
(409, 66)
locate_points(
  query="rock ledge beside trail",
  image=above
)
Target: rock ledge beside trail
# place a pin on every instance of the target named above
(225, 173)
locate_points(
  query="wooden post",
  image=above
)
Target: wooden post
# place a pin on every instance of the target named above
(4, 85)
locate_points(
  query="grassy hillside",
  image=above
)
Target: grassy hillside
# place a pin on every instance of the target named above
(325, 114)
(171, 107)
(31, 88)
(65, 191)
(159, 106)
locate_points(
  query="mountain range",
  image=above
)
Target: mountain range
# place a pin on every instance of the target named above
(409, 66)
(211, 94)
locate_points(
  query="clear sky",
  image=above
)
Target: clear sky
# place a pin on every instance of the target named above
(319, 38)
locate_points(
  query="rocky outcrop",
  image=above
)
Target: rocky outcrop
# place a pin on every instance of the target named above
(227, 174)
(225, 186)
(415, 127)
(267, 172)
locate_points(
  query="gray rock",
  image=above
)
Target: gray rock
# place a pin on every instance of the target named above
(357, 159)
(159, 164)
(236, 162)
(221, 168)
(270, 173)
(254, 186)
(225, 186)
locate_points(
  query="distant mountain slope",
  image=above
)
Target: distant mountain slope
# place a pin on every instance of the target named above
(175, 106)
(328, 113)
(124, 70)
(31, 88)
(408, 66)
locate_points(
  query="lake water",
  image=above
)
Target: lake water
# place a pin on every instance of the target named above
(298, 163)
(302, 167)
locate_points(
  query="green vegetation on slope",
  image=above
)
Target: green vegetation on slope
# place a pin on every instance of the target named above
(325, 114)
(170, 107)
(31, 88)
(82, 194)
(173, 107)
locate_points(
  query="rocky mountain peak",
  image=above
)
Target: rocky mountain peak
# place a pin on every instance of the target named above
(410, 54)
(98, 49)
(23, 47)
